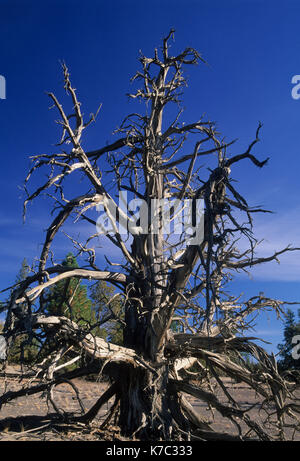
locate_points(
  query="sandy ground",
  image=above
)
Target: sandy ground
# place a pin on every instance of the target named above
(22, 418)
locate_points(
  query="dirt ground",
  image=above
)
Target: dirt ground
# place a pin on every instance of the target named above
(26, 417)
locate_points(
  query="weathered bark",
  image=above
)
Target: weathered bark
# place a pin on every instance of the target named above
(144, 411)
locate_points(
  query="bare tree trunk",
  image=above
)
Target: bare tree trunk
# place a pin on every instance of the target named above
(144, 409)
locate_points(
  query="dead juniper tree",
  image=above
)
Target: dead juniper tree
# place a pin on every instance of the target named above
(177, 313)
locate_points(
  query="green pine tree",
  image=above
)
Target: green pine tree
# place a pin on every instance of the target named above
(291, 329)
(24, 348)
(69, 298)
(104, 304)
(23, 272)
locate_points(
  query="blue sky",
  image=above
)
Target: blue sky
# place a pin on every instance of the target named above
(253, 51)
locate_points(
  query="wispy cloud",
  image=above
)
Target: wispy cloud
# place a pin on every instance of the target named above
(268, 332)
(277, 231)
